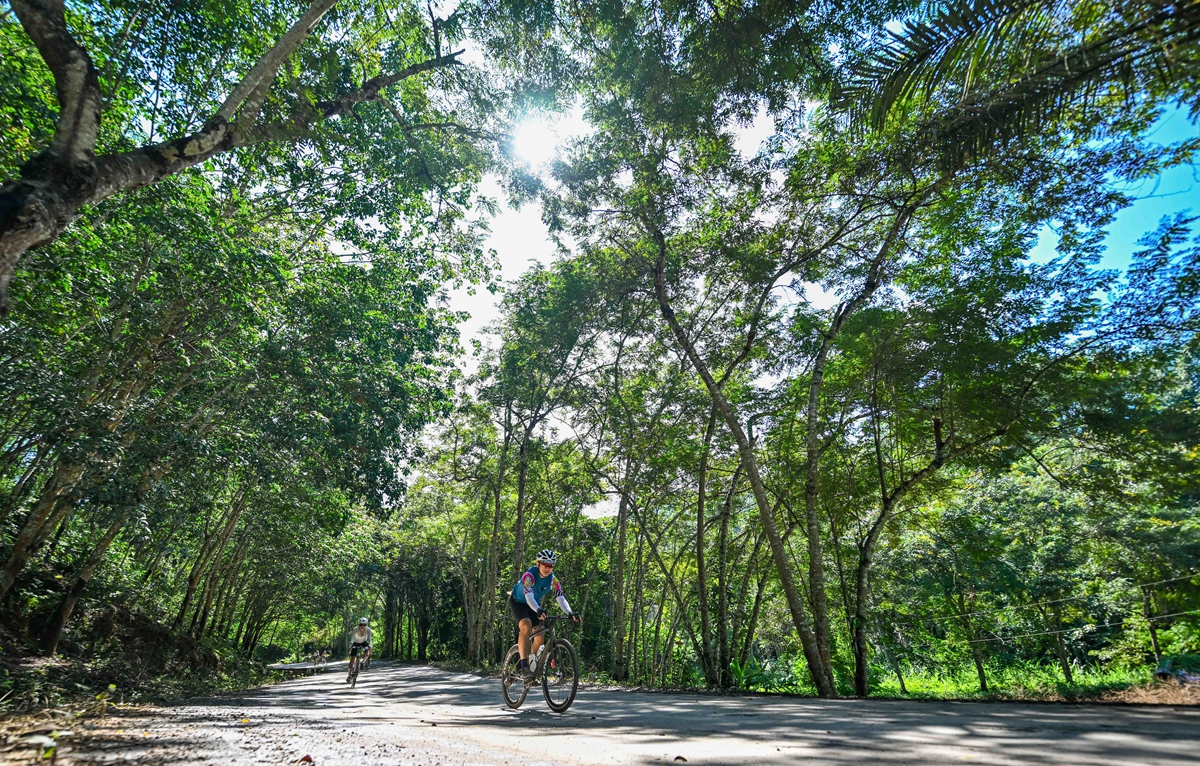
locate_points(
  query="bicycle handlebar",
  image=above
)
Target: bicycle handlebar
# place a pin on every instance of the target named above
(543, 625)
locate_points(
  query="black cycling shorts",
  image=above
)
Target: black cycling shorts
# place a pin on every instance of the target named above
(521, 610)
(355, 647)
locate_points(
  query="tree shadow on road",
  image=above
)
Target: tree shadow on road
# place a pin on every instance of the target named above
(822, 731)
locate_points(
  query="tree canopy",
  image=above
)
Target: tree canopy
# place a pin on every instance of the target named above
(819, 418)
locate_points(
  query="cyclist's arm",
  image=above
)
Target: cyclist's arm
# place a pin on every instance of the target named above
(561, 597)
(527, 589)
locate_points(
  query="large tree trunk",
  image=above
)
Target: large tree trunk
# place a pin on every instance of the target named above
(1148, 603)
(214, 544)
(862, 595)
(491, 594)
(812, 529)
(707, 663)
(65, 476)
(519, 525)
(821, 673)
(54, 630)
(1060, 646)
(723, 639)
(620, 665)
(57, 184)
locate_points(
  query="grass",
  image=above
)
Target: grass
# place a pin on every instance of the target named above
(1018, 681)
(1025, 681)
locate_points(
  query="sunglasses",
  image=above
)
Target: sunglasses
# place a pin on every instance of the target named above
(544, 564)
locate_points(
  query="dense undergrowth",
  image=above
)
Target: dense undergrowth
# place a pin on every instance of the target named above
(1007, 681)
(120, 655)
(836, 395)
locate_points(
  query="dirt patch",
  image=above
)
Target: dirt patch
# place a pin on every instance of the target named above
(1158, 693)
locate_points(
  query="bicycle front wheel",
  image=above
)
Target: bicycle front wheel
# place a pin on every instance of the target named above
(512, 685)
(560, 679)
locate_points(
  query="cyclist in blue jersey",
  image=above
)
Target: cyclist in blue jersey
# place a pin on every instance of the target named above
(525, 602)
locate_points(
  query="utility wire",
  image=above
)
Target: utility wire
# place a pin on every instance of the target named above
(1131, 586)
(1071, 630)
(924, 645)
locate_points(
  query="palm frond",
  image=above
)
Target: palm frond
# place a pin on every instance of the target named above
(982, 72)
(914, 62)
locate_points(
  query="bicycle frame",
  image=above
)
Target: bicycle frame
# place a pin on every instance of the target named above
(515, 685)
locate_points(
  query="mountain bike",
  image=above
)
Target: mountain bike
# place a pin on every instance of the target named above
(357, 663)
(557, 669)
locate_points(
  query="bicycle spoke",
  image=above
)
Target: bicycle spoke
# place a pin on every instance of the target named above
(560, 678)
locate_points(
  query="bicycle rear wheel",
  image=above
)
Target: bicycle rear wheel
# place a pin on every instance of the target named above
(512, 685)
(560, 678)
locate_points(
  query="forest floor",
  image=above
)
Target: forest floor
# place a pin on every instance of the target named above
(405, 714)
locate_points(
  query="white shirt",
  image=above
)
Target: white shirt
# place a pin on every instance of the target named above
(357, 637)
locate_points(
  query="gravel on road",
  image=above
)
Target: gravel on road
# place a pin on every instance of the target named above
(404, 714)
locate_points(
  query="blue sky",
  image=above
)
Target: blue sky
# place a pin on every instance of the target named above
(1176, 190)
(520, 238)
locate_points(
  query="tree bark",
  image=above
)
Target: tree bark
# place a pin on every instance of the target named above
(724, 647)
(822, 674)
(1060, 646)
(209, 548)
(64, 478)
(57, 184)
(491, 594)
(1148, 600)
(816, 560)
(707, 664)
(54, 630)
(972, 642)
(519, 525)
(752, 623)
(620, 664)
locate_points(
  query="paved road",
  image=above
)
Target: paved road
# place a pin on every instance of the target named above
(419, 715)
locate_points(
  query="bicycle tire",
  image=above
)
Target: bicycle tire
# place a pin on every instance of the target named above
(354, 676)
(509, 678)
(572, 664)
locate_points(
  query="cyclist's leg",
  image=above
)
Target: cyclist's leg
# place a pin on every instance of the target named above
(524, 628)
(524, 617)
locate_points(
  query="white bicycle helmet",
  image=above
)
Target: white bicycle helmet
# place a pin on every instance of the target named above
(362, 620)
(546, 556)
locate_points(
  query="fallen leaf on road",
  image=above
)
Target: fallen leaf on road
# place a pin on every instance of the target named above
(305, 759)
(245, 720)
(433, 724)
(681, 758)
